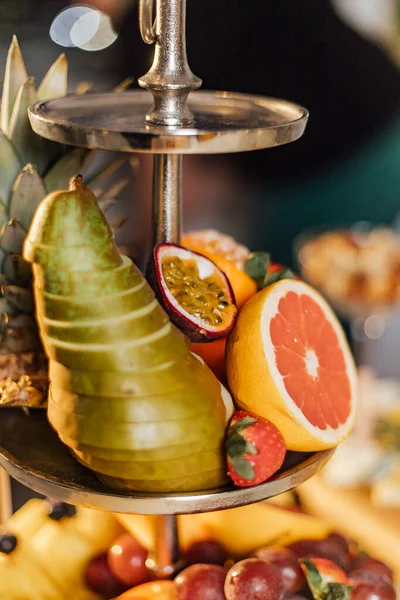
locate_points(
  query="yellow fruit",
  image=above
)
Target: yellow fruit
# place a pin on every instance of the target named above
(288, 361)
(63, 548)
(155, 590)
(239, 530)
(22, 576)
(143, 528)
(63, 553)
(100, 527)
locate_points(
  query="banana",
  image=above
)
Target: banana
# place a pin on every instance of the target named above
(239, 530)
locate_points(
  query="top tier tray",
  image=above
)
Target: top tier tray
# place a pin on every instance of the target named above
(223, 122)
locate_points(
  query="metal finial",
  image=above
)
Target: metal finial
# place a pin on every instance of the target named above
(170, 79)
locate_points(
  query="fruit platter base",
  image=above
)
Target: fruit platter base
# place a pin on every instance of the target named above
(223, 122)
(31, 453)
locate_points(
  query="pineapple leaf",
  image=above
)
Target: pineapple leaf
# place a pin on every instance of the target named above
(5, 310)
(19, 297)
(54, 84)
(30, 147)
(94, 164)
(9, 166)
(99, 184)
(12, 237)
(16, 270)
(27, 193)
(109, 198)
(15, 76)
(69, 165)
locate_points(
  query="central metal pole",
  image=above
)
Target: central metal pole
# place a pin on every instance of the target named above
(168, 560)
(167, 194)
(170, 80)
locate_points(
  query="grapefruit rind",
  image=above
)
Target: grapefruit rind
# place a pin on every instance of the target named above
(257, 384)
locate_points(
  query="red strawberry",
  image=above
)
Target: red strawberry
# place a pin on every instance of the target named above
(255, 449)
(326, 580)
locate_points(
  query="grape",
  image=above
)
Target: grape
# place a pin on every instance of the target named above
(288, 566)
(366, 563)
(334, 548)
(377, 590)
(127, 561)
(362, 575)
(201, 582)
(100, 579)
(206, 551)
(253, 579)
(307, 549)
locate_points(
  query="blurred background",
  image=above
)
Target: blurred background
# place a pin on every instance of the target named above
(336, 57)
(328, 205)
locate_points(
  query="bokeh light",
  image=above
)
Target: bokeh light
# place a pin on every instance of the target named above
(83, 27)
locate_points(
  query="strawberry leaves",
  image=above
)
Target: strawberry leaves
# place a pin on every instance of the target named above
(322, 589)
(258, 267)
(237, 447)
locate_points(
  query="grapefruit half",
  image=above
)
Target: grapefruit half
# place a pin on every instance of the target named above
(288, 360)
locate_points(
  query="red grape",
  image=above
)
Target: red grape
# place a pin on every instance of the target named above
(334, 548)
(377, 590)
(370, 564)
(206, 552)
(253, 579)
(307, 549)
(201, 582)
(127, 561)
(100, 579)
(288, 566)
(362, 575)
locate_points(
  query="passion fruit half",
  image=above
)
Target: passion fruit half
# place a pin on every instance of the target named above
(195, 293)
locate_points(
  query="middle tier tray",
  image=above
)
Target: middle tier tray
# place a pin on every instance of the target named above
(223, 122)
(31, 453)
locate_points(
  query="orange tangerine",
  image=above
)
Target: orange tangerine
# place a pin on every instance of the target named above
(228, 255)
(213, 355)
(288, 361)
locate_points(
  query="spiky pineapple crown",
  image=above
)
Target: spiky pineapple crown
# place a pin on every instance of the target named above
(31, 167)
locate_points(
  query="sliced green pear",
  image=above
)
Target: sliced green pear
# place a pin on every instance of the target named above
(168, 377)
(127, 396)
(147, 352)
(132, 435)
(76, 308)
(134, 325)
(208, 480)
(76, 283)
(149, 408)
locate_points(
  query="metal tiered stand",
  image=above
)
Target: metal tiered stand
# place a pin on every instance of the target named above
(204, 123)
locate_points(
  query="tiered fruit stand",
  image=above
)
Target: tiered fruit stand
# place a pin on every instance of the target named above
(204, 123)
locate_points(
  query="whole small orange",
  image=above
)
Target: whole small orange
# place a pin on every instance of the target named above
(230, 257)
